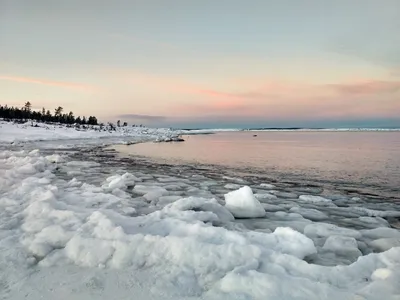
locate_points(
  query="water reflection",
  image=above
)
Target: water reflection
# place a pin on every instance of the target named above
(363, 157)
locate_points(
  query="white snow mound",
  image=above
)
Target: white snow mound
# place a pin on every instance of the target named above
(243, 204)
(64, 238)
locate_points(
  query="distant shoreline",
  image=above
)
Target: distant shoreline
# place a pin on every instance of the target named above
(303, 129)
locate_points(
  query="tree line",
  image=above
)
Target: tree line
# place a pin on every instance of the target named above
(43, 115)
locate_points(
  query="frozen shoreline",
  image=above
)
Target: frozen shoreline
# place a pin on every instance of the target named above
(19, 133)
(91, 225)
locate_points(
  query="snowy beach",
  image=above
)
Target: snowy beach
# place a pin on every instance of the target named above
(79, 221)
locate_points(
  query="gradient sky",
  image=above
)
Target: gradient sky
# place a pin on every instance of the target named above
(202, 63)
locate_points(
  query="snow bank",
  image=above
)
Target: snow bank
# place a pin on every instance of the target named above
(242, 204)
(11, 133)
(65, 238)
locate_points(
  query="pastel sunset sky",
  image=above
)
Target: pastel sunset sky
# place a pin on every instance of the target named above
(203, 63)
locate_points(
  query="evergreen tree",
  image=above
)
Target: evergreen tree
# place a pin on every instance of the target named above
(92, 120)
(21, 114)
(28, 106)
(58, 113)
(70, 118)
(48, 116)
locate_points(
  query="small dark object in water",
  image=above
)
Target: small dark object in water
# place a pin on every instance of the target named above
(178, 139)
(174, 139)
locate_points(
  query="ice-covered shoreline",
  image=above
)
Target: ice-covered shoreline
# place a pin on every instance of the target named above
(79, 225)
(35, 131)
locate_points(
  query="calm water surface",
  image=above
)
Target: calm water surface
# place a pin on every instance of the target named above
(367, 159)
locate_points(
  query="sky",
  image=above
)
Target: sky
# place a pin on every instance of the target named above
(203, 63)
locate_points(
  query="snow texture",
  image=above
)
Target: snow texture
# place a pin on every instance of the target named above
(85, 229)
(14, 133)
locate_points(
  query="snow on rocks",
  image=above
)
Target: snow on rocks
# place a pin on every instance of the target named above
(242, 204)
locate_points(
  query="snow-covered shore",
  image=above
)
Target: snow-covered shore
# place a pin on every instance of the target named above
(32, 131)
(85, 227)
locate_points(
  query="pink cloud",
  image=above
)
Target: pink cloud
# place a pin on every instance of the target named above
(318, 103)
(63, 84)
(214, 93)
(215, 98)
(275, 99)
(367, 87)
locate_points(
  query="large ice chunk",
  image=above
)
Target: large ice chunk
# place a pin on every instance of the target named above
(342, 245)
(119, 182)
(326, 230)
(144, 189)
(242, 204)
(209, 208)
(265, 196)
(381, 232)
(385, 244)
(309, 213)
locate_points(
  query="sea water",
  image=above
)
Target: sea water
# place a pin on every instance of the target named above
(368, 162)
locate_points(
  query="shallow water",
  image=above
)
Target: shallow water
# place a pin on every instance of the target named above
(283, 205)
(367, 162)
